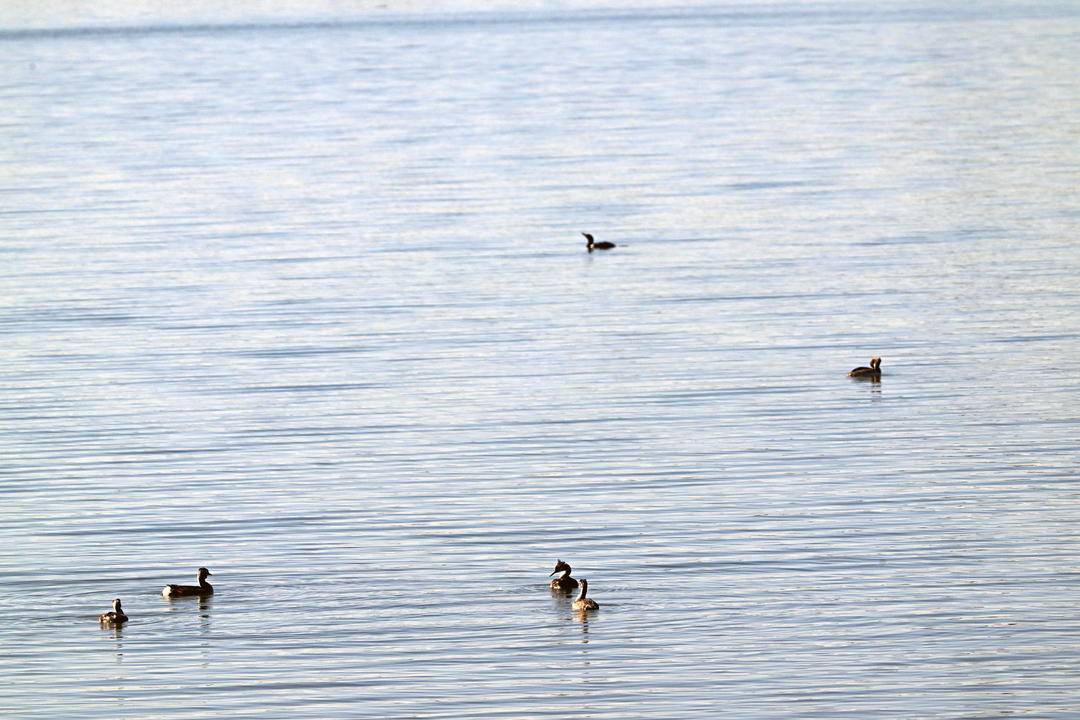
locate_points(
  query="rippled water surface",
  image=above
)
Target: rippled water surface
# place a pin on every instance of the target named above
(308, 304)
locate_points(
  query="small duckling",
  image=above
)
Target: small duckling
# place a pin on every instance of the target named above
(591, 244)
(564, 582)
(874, 371)
(584, 604)
(115, 617)
(203, 588)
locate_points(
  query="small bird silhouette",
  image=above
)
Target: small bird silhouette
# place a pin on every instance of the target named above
(591, 244)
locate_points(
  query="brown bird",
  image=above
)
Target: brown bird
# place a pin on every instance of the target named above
(564, 582)
(115, 617)
(584, 604)
(874, 371)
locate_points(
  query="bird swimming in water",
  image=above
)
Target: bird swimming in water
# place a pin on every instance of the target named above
(114, 617)
(874, 371)
(203, 588)
(584, 604)
(564, 582)
(591, 244)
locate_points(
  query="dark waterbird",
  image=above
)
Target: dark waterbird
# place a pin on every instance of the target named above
(874, 371)
(115, 616)
(564, 582)
(203, 588)
(591, 244)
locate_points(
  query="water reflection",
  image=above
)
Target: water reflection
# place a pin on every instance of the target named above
(584, 622)
(873, 383)
(583, 619)
(117, 632)
(560, 602)
(195, 355)
(875, 390)
(205, 644)
(205, 603)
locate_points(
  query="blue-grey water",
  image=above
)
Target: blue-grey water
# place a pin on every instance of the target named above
(306, 302)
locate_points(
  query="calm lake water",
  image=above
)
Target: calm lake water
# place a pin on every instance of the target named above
(307, 303)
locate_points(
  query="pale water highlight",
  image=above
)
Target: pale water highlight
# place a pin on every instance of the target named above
(307, 303)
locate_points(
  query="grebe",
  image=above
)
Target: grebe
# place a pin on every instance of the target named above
(203, 588)
(584, 604)
(563, 582)
(873, 371)
(591, 244)
(115, 617)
